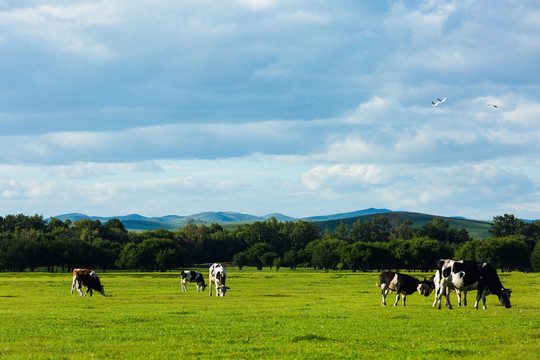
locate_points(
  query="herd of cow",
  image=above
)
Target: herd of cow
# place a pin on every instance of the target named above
(90, 279)
(460, 276)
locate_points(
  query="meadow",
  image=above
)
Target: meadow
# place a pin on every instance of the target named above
(301, 314)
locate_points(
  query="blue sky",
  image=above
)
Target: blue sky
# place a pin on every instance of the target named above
(261, 106)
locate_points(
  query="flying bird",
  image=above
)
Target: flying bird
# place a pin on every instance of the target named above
(435, 104)
(441, 101)
(493, 105)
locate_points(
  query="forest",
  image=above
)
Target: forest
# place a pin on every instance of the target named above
(29, 243)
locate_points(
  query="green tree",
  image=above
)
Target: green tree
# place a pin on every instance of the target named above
(325, 253)
(535, 258)
(506, 225)
(342, 231)
(361, 231)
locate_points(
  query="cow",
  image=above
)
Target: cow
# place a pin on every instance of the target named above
(470, 275)
(402, 284)
(193, 276)
(88, 278)
(434, 281)
(81, 272)
(217, 275)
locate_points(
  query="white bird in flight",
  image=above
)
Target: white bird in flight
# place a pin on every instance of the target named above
(438, 102)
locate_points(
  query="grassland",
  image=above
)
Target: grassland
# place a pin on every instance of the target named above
(265, 315)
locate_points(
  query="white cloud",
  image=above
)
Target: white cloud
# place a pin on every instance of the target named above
(257, 5)
(63, 25)
(321, 176)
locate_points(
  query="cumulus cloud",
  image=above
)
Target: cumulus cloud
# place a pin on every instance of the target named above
(287, 102)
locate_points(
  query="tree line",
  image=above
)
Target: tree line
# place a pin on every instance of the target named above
(385, 242)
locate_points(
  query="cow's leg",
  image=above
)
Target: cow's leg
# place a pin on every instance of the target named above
(184, 288)
(446, 293)
(73, 285)
(443, 290)
(404, 296)
(210, 287)
(458, 295)
(397, 298)
(198, 287)
(438, 295)
(484, 299)
(79, 288)
(478, 297)
(464, 298)
(384, 292)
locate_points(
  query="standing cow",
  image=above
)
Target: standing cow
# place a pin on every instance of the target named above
(435, 283)
(402, 284)
(470, 275)
(88, 278)
(217, 275)
(193, 276)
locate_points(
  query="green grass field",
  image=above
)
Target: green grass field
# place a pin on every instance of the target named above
(265, 315)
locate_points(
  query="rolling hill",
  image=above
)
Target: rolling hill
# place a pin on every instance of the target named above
(476, 228)
(229, 220)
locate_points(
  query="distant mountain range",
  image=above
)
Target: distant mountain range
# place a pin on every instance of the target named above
(229, 220)
(220, 217)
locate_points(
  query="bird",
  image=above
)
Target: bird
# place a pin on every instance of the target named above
(441, 101)
(435, 104)
(493, 105)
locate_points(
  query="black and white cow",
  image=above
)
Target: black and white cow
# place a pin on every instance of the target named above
(217, 275)
(402, 284)
(435, 282)
(193, 276)
(88, 278)
(470, 275)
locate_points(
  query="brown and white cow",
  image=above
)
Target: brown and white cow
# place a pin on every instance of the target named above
(88, 278)
(217, 275)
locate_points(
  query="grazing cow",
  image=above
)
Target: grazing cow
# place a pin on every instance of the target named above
(88, 278)
(218, 276)
(402, 284)
(81, 272)
(470, 275)
(193, 276)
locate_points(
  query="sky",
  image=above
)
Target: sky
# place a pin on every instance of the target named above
(299, 107)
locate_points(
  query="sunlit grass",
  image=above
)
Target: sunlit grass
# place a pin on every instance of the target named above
(265, 314)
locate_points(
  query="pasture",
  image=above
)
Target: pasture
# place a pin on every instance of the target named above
(299, 314)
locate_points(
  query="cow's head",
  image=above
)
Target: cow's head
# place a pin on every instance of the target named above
(203, 286)
(99, 288)
(425, 287)
(504, 297)
(222, 290)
